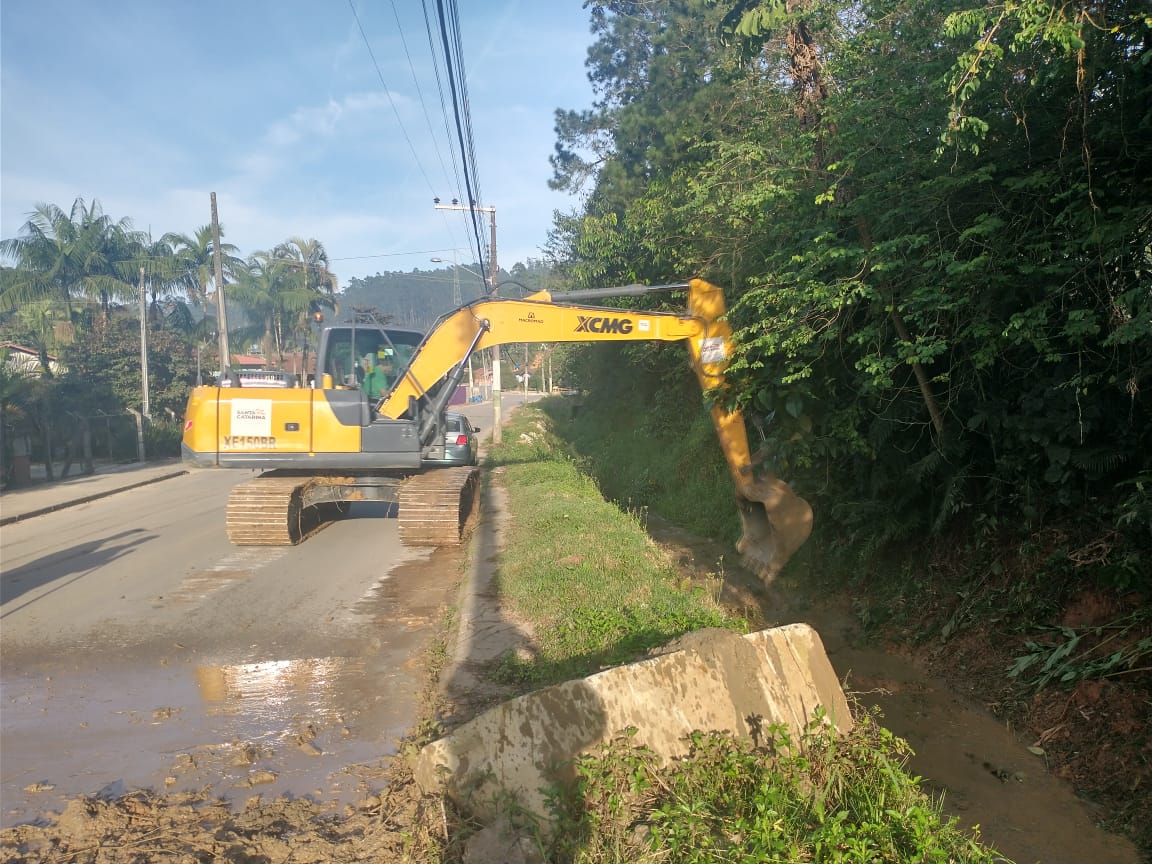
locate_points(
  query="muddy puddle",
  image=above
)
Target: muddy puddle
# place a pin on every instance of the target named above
(985, 775)
(274, 726)
(183, 718)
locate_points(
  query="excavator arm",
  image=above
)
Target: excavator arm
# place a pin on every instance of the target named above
(775, 521)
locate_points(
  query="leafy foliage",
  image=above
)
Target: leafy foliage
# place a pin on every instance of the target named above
(933, 220)
(66, 256)
(104, 370)
(1080, 653)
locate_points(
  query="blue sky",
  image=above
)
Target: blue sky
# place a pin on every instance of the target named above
(276, 106)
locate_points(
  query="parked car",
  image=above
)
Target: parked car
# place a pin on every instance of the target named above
(461, 445)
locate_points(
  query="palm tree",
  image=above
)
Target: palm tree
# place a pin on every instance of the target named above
(195, 265)
(62, 256)
(273, 290)
(255, 289)
(105, 270)
(312, 259)
(154, 262)
(46, 325)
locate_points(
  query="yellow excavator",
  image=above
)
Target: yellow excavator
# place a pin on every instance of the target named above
(321, 448)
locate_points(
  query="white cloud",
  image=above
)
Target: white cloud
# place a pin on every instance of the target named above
(305, 130)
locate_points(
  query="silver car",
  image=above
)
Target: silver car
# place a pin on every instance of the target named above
(461, 446)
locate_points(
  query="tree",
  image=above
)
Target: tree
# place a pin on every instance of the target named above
(965, 304)
(195, 267)
(156, 264)
(15, 384)
(318, 286)
(103, 372)
(313, 261)
(62, 256)
(281, 289)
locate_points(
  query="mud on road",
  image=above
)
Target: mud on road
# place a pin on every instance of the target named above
(228, 747)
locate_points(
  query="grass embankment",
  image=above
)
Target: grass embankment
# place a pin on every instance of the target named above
(595, 591)
(1050, 625)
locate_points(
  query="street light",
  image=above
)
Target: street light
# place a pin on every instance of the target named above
(456, 301)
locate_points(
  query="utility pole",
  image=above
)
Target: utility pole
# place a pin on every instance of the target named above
(221, 311)
(492, 274)
(144, 348)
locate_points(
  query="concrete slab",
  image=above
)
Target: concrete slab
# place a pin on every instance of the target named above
(714, 680)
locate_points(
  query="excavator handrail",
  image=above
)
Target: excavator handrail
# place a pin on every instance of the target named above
(634, 290)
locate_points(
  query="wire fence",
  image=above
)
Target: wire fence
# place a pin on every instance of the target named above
(84, 443)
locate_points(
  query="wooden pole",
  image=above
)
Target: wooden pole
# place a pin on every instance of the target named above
(221, 310)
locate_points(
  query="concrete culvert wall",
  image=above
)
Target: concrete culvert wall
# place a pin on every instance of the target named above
(713, 680)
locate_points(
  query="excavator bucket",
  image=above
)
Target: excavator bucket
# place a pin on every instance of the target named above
(776, 522)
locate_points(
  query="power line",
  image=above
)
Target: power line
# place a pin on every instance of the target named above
(453, 62)
(443, 107)
(389, 254)
(419, 92)
(388, 93)
(453, 57)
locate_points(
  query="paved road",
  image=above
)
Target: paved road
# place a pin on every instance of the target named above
(141, 650)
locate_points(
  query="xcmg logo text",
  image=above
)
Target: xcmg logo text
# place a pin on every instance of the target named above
(603, 325)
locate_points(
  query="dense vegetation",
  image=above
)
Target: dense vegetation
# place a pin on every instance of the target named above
(934, 225)
(812, 797)
(935, 222)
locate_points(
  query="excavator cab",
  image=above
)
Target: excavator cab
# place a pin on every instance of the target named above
(349, 351)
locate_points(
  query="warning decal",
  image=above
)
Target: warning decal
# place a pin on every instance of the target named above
(712, 350)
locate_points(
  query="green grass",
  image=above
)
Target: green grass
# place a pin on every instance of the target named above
(595, 590)
(840, 800)
(674, 466)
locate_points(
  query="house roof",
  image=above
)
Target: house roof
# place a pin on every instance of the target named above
(24, 349)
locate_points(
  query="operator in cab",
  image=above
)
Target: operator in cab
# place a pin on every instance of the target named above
(379, 374)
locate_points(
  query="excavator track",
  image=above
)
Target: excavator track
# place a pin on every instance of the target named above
(269, 511)
(436, 507)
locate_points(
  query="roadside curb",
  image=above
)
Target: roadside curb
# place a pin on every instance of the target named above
(19, 517)
(481, 633)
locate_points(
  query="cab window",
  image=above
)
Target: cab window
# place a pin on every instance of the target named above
(348, 363)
